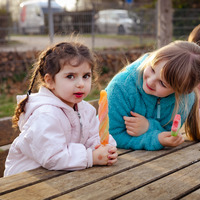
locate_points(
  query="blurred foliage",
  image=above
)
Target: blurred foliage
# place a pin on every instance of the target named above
(5, 23)
(176, 3)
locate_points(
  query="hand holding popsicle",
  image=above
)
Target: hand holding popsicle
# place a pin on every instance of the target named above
(104, 154)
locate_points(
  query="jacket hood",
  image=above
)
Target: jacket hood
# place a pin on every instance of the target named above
(43, 97)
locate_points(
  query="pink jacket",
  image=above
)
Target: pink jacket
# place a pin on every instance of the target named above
(52, 136)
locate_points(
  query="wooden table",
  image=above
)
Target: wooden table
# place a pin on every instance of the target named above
(173, 173)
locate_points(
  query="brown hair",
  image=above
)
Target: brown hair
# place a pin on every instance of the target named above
(195, 35)
(182, 72)
(51, 61)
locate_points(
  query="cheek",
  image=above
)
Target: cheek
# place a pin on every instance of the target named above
(162, 92)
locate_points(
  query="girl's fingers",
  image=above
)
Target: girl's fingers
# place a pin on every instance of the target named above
(97, 146)
(111, 162)
(112, 156)
(131, 133)
(112, 150)
(135, 114)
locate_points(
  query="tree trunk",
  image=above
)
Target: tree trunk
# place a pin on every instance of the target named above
(164, 22)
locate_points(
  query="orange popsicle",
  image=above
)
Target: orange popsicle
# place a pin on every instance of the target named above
(103, 118)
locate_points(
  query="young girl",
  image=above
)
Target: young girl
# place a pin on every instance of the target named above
(59, 131)
(145, 96)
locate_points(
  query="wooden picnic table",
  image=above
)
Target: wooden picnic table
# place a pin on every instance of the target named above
(172, 173)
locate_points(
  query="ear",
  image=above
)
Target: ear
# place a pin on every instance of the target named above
(49, 82)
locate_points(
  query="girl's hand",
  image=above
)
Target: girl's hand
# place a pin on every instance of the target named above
(167, 140)
(104, 155)
(112, 157)
(136, 125)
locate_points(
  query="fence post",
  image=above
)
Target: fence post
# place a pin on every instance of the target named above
(51, 25)
(164, 22)
(93, 26)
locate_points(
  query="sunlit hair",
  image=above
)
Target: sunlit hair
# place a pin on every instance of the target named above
(51, 61)
(182, 72)
(195, 35)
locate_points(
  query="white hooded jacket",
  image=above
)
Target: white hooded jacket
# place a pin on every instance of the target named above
(53, 135)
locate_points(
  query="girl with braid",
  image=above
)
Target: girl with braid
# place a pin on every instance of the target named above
(59, 130)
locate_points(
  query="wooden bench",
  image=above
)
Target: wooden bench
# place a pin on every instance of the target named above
(8, 134)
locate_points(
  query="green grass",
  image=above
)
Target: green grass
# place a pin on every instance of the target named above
(7, 106)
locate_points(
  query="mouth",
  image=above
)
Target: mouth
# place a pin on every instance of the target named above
(149, 87)
(79, 94)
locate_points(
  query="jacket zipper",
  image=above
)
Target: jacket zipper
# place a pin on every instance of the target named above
(158, 108)
(80, 120)
(81, 124)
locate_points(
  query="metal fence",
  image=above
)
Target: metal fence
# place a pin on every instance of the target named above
(143, 23)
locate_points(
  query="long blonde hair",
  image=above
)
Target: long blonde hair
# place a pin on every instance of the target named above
(195, 35)
(182, 72)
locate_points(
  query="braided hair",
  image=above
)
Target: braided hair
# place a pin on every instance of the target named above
(51, 61)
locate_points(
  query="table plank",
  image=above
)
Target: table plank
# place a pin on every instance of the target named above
(14, 182)
(32, 177)
(170, 187)
(79, 179)
(194, 195)
(137, 177)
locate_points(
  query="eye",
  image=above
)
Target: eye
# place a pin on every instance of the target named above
(70, 76)
(162, 84)
(87, 76)
(152, 70)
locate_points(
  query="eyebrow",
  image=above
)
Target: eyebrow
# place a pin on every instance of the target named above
(89, 72)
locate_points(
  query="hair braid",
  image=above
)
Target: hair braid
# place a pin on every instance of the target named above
(20, 107)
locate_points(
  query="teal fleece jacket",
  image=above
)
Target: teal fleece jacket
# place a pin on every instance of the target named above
(125, 94)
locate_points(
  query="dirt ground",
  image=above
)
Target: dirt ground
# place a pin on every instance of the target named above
(24, 43)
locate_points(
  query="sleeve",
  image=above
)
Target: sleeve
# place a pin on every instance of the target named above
(45, 142)
(119, 106)
(94, 139)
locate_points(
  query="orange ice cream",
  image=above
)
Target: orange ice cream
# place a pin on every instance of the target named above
(103, 118)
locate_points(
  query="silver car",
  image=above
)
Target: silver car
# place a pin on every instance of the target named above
(116, 21)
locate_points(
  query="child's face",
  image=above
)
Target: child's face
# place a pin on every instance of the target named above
(153, 84)
(72, 84)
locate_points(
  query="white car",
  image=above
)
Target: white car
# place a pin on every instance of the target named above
(32, 15)
(116, 21)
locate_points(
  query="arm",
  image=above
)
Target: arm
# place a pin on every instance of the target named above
(45, 141)
(120, 106)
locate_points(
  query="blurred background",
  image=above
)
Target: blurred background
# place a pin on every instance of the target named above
(94, 17)
(118, 31)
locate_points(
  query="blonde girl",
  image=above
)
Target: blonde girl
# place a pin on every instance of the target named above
(146, 95)
(59, 130)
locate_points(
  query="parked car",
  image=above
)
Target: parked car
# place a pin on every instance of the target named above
(32, 15)
(116, 21)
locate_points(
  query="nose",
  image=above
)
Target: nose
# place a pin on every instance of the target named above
(151, 81)
(80, 83)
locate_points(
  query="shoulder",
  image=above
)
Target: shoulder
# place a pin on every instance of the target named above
(129, 73)
(50, 112)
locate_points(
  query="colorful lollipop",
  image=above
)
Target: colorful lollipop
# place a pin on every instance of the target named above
(176, 125)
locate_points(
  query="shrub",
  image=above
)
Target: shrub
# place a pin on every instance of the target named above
(5, 23)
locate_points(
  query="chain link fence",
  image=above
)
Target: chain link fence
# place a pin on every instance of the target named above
(133, 22)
